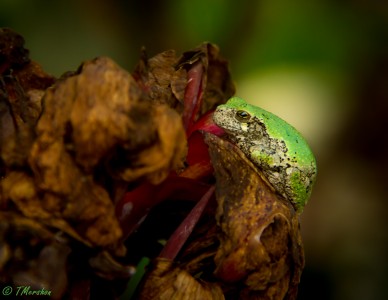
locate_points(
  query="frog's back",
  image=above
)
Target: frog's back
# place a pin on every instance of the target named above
(297, 147)
(292, 169)
(277, 128)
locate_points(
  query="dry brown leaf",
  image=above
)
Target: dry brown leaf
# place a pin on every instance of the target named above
(162, 82)
(165, 149)
(260, 240)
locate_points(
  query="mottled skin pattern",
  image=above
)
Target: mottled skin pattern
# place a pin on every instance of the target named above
(274, 146)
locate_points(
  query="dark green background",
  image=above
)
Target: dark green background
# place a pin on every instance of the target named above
(322, 65)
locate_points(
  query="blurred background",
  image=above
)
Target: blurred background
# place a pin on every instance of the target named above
(321, 65)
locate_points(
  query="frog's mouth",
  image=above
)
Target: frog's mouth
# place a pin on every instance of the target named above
(206, 124)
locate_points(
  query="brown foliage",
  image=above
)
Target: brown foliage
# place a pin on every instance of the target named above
(85, 158)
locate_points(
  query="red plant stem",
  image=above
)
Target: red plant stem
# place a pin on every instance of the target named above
(132, 209)
(193, 95)
(181, 234)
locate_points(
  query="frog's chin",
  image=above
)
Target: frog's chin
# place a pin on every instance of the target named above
(217, 130)
(229, 136)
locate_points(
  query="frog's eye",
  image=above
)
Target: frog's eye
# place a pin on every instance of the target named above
(242, 116)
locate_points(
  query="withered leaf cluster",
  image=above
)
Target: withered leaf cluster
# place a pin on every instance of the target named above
(66, 145)
(87, 120)
(73, 148)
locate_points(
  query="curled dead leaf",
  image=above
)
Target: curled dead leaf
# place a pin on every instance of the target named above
(260, 239)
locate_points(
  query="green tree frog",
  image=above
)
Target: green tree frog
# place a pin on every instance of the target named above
(276, 148)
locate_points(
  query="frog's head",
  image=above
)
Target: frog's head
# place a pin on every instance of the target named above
(235, 116)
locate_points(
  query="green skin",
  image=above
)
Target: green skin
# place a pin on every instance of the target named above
(274, 146)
